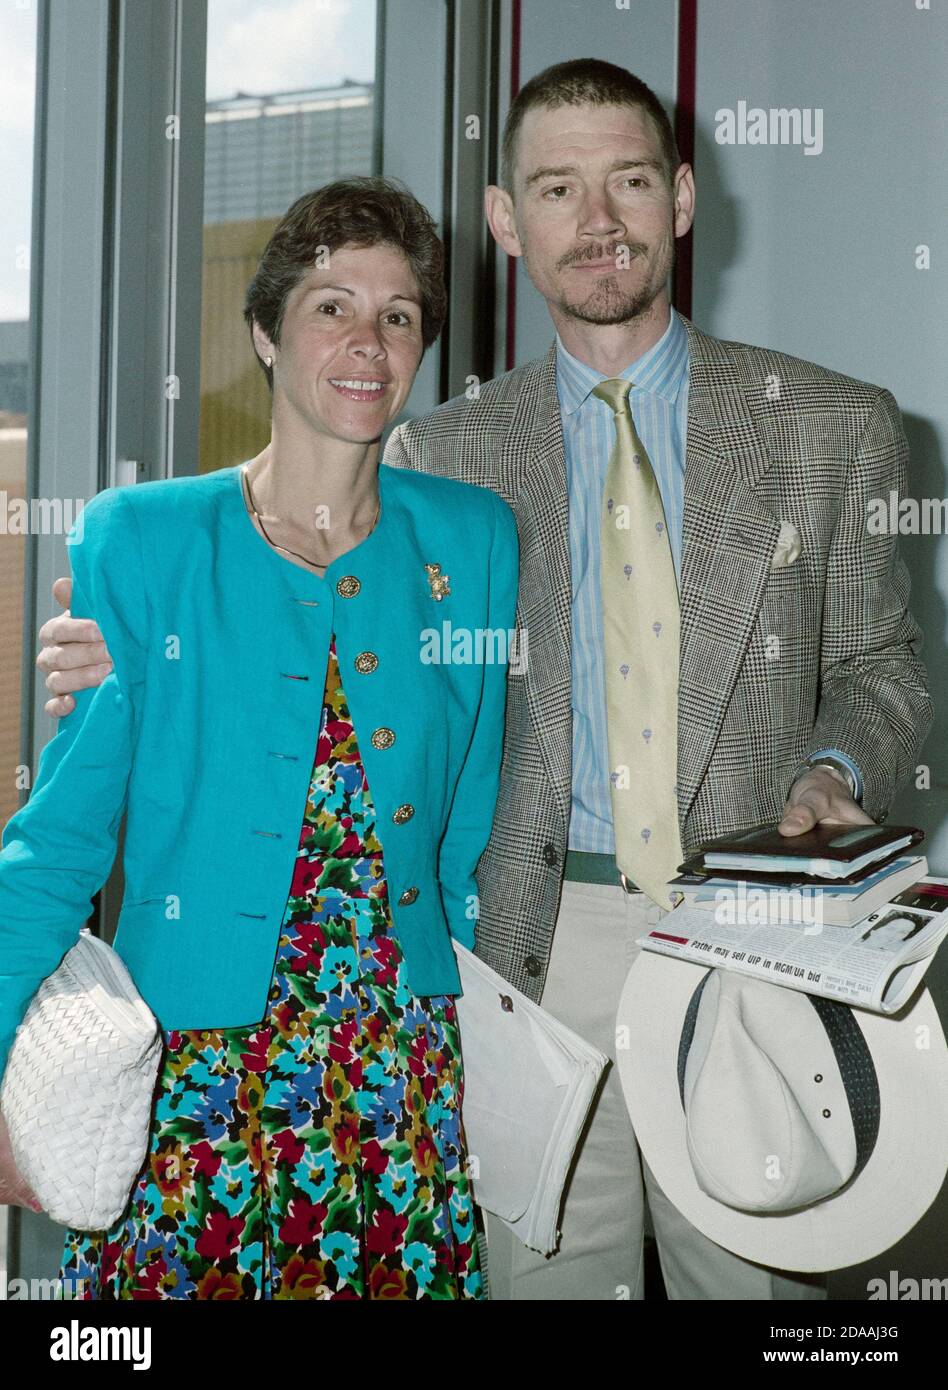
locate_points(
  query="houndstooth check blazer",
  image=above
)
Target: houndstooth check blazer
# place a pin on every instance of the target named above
(775, 662)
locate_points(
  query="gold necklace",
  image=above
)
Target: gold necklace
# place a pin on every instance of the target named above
(317, 564)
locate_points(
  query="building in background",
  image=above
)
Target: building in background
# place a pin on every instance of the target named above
(261, 153)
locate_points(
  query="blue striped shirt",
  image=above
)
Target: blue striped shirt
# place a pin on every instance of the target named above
(659, 404)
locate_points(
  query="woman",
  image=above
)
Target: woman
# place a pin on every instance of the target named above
(306, 1139)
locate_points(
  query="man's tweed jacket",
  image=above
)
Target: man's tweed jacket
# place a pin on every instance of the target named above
(774, 662)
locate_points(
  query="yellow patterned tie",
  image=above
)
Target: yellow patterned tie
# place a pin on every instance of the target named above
(640, 617)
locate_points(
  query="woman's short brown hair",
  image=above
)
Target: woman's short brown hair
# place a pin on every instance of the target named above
(358, 211)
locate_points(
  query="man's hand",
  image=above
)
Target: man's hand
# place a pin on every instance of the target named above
(822, 794)
(73, 655)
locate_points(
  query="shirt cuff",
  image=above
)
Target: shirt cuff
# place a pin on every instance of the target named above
(846, 762)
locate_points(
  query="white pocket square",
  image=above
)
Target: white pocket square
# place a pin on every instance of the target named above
(788, 546)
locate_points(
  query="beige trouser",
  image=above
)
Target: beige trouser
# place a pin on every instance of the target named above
(600, 1255)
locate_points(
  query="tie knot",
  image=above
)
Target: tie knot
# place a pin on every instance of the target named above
(615, 392)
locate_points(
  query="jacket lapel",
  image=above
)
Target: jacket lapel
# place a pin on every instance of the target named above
(532, 478)
(729, 534)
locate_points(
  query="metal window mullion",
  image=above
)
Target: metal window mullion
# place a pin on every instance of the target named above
(159, 195)
(67, 296)
(469, 348)
(413, 57)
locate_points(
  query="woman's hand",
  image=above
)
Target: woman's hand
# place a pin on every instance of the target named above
(14, 1190)
(73, 655)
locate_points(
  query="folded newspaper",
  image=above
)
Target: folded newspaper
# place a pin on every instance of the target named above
(876, 964)
(528, 1084)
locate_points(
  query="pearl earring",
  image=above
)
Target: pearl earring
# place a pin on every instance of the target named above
(269, 361)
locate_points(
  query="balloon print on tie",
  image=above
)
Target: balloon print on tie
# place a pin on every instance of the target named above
(640, 611)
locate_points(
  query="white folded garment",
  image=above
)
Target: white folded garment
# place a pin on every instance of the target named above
(528, 1085)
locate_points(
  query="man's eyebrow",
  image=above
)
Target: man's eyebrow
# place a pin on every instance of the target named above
(565, 170)
(550, 173)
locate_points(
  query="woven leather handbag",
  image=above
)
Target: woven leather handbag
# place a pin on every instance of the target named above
(78, 1087)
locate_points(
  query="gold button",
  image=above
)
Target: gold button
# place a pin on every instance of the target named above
(348, 586)
(403, 813)
(408, 897)
(366, 662)
(383, 738)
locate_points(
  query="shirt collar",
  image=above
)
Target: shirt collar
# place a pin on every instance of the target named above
(661, 370)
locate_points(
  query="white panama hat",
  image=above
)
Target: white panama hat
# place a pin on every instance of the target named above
(797, 1132)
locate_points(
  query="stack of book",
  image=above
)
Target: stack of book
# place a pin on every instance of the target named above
(853, 868)
(842, 911)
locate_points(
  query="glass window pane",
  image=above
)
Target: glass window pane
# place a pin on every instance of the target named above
(17, 84)
(290, 105)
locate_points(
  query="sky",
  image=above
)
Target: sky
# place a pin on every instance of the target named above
(278, 45)
(257, 46)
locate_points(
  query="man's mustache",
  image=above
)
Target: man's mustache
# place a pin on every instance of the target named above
(600, 253)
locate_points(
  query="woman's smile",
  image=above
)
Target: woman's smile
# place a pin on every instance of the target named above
(359, 388)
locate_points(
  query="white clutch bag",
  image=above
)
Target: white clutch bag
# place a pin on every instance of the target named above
(78, 1087)
(528, 1084)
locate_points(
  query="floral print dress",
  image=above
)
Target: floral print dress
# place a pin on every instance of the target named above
(319, 1153)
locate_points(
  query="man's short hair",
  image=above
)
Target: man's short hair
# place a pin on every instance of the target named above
(584, 82)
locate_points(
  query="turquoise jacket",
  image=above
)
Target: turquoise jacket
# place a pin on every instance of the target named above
(206, 730)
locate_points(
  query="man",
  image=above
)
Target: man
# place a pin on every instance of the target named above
(717, 502)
